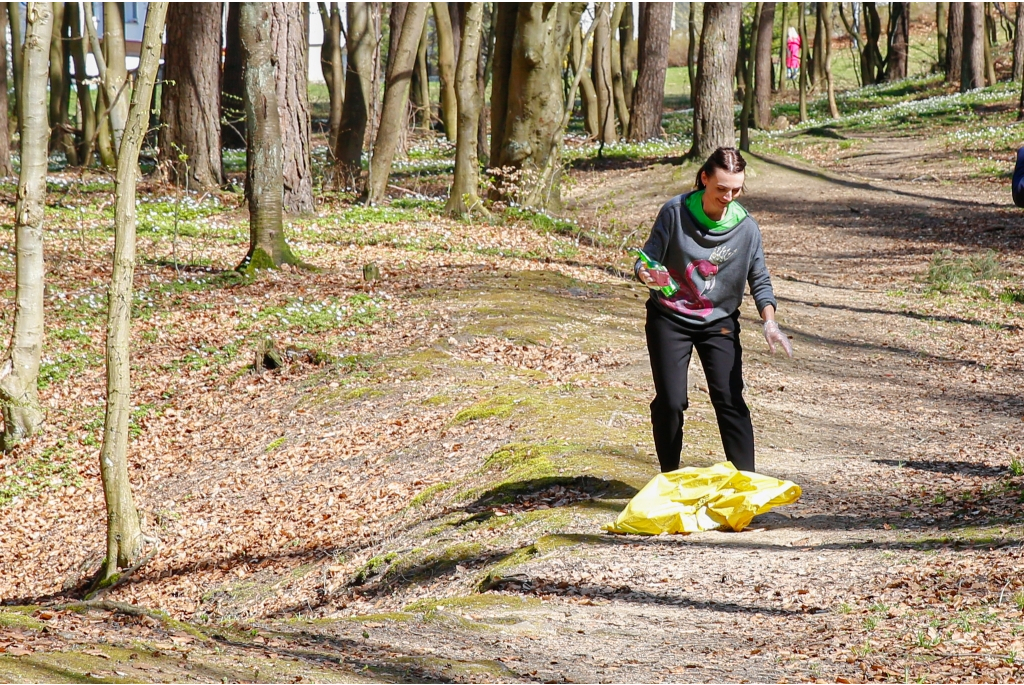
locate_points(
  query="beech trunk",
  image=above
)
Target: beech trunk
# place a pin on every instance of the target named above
(79, 48)
(19, 369)
(830, 86)
(232, 99)
(396, 100)
(972, 70)
(955, 42)
(359, 94)
(1018, 44)
(124, 530)
(804, 76)
(189, 137)
(899, 41)
(290, 36)
(748, 73)
(420, 95)
(618, 77)
(115, 84)
(6, 169)
(627, 54)
(601, 73)
(332, 64)
(652, 62)
(763, 67)
(941, 31)
(713, 118)
(588, 96)
(265, 151)
(464, 197)
(17, 44)
(446, 70)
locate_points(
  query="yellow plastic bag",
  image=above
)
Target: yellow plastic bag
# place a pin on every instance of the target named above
(694, 499)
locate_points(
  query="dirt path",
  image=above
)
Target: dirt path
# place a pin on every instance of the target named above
(516, 426)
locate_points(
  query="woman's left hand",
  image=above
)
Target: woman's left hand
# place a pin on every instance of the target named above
(774, 336)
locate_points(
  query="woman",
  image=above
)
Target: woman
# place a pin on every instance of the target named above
(793, 54)
(709, 245)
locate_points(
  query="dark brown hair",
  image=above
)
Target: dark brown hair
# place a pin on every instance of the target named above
(727, 159)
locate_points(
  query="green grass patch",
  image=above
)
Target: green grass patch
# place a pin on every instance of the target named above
(31, 475)
(320, 316)
(429, 493)
(499, 407)
(947, 270)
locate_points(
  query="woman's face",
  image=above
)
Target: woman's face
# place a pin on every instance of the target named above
(721, 187)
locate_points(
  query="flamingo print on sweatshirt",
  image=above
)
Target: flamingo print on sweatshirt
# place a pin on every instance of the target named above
(692, 296)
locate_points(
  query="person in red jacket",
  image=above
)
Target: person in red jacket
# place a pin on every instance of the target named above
(792, 54)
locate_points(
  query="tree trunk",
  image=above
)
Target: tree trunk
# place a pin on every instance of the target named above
(464, 197)
(652, 62)
(6, 168)
(333, 66)
(955, 42)
(782, 50)
(691, 48)
(19, 370)
(899, 41)
(396, 94)
(446, 70)
(17, 45)
(988, 45)
(941, 28)
(189, 140)
(360, 45)
(528, 130)
(61, 136)
(748, 91)
(115, 84)
(290, 37)
(601, 74)
(713, 118)
(79, 48)
(232, 100)
(420, 94)
(588, 96)
(830, 86)
(455, 15)
(972, 71)
(396, 19)
(763, 67)
(482, 76)
(627, 54)
(265, 152)
(104, 134)
(871, 56)
(801, 9)
(1018, 44)
(124, 530)
(618, 78)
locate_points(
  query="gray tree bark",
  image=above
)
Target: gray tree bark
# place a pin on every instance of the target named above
(420, 94)
(526, 130)
(232, 100)
(588, 96)
(396, 101)
(190, 104)
(446, 70)
(79, 48)
(332, 64)
(14, 22)
(763, 67)
(124, 530)
(104, 136)
(955, 42)
(801, 9)
(627, 56)
(899, 41)
(1018, 44)
(464, 196)
(601, 74)
(713, 125)
(61, 137)
(359, 93)
(290, 35)
(115, 83)
(941, 31)
(748, 73)
(19, 369)
(265, 154)
(830, 86)
(692, 46)
(972, 70)
(6, 169)
(618, 75)
(652, 62)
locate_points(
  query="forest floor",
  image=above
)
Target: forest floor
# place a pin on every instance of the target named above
(419, 494)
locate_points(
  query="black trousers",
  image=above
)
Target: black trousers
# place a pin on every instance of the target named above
(671, 346)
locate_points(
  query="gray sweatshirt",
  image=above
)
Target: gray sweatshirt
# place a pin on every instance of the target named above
(710, 268)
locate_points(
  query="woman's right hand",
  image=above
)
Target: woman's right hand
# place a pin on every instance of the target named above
(653, 279)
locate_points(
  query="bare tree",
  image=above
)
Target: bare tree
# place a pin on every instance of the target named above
(232, 99)
(189, 139)
(942, 31)
(14, 24)
(19, 369)
(79, 48)
(396, 101)
(6, 169)
(972, 70)
(955, 42)
(264, 159)
(464, 197)
(124, 530)
(601, 74)
(871, 62)
(627, 56)
(527, 106)
(618, 75)
(830, 86)
(420, 95)
(899, 41)
(713, 118)
(359, 93)
(333, 65)
(782, 50)
(115, 82)
(763, 67)
(652, 62)
(691, 46)
(61, 137)
(1018, 44)
(802, 11)
(588, 96)
(446, 69)
(291, 51)
(991, 39)
(748, 74)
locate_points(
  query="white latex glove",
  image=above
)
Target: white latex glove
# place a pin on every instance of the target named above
(773, 336)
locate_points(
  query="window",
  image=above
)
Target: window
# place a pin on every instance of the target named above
(131, 12)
